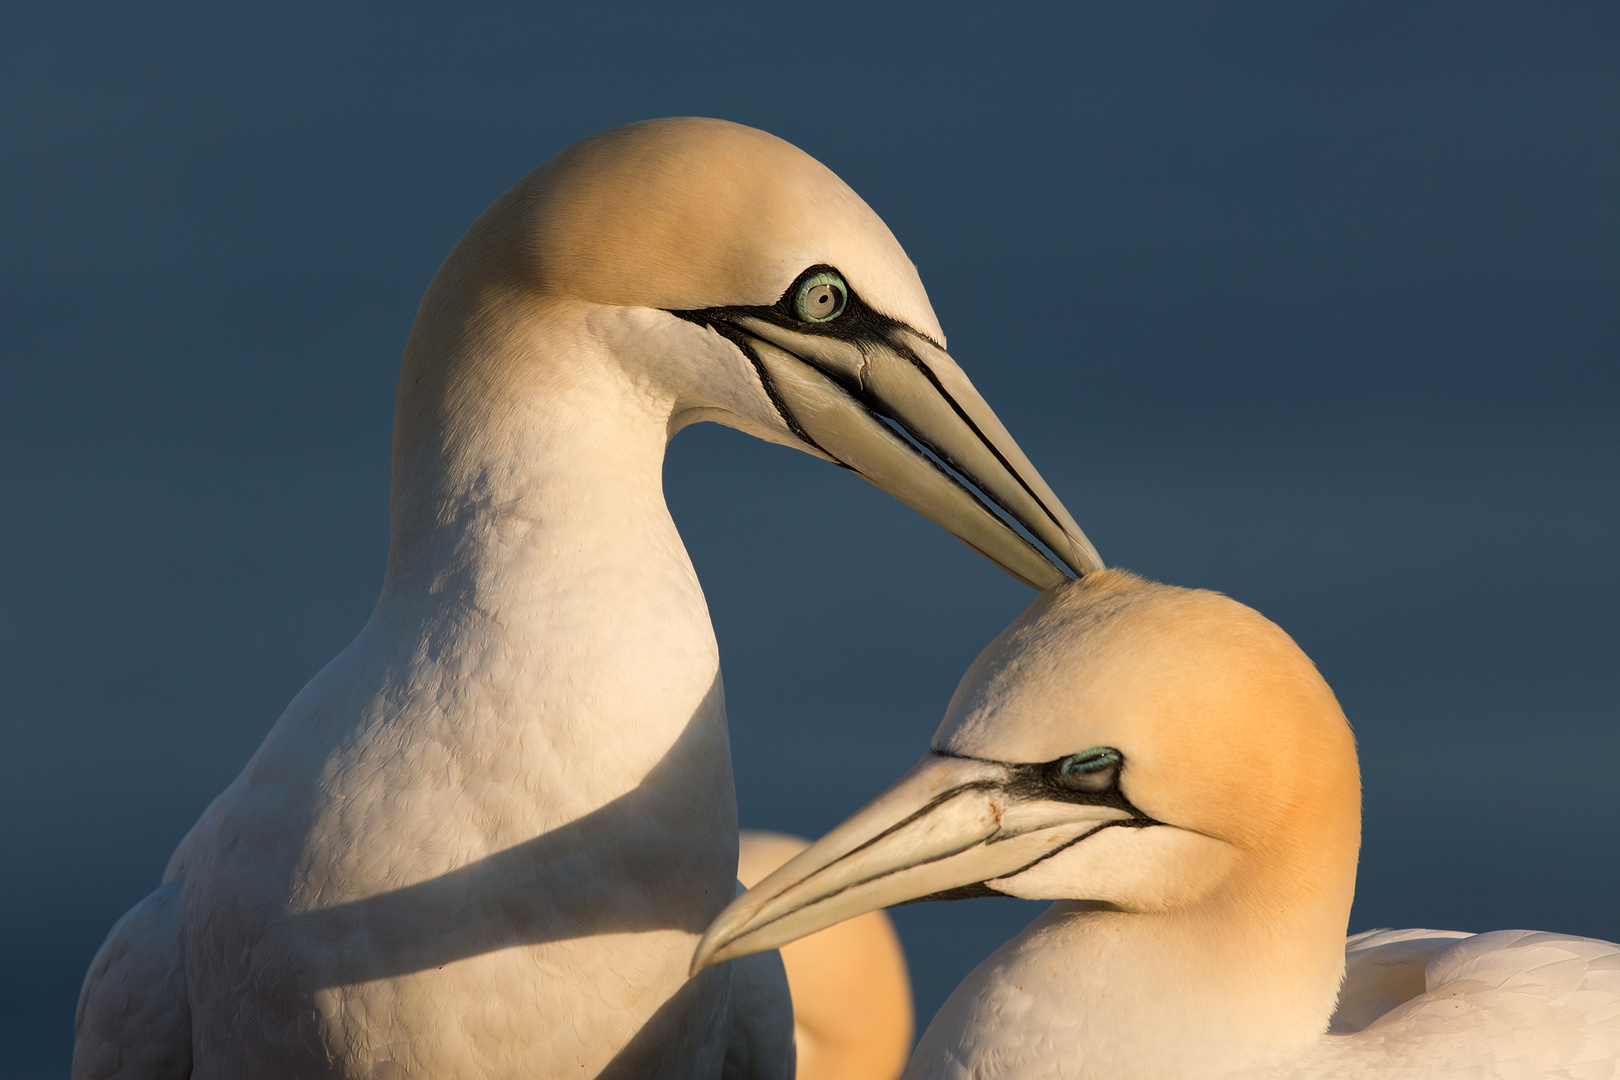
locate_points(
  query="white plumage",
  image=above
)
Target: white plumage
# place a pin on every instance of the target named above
(1513, 1004)
(484, 839)
(1519, 1002)
(1170, 768)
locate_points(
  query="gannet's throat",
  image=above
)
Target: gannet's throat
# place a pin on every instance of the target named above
(884, 400)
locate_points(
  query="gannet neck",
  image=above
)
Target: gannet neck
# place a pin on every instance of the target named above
(514, 787)
(529, 523)
(1223, 993)
(525, 443)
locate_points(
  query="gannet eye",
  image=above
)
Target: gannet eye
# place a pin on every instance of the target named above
(821, 297)
(1091, 771)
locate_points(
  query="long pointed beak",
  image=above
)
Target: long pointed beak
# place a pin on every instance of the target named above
(839, 393)
(948, 824)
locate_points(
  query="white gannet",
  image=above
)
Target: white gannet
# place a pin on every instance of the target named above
(484, 839)
(851, 993)
(1170, 768)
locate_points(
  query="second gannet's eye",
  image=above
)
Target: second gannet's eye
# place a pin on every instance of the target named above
(821, 297)
(1091, 771)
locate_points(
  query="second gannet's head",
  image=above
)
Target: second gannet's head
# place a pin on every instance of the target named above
(1148, 749)
(737, 278)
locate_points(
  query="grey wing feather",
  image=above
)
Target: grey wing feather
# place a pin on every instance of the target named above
(134, 1022)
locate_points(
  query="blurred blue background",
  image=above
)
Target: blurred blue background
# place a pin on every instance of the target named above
(1313, 304)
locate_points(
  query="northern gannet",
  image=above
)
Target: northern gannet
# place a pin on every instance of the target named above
(1169, 767)
(851, 993)
(485, 838)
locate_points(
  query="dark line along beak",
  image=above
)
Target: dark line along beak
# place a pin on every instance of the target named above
(949, 824)
(836, 392)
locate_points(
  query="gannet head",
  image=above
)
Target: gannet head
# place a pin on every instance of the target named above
(735, 276)
(1143, 748)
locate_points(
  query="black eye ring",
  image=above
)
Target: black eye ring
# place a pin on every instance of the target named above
(821, 297)
(1091, 771)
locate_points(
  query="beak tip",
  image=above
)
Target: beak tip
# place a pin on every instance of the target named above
(711, 950)
(1086, 559)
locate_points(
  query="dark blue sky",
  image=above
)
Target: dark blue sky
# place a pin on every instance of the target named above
(1314, 304)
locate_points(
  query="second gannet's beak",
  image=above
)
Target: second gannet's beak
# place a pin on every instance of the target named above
(883, 400)
(950, 828)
